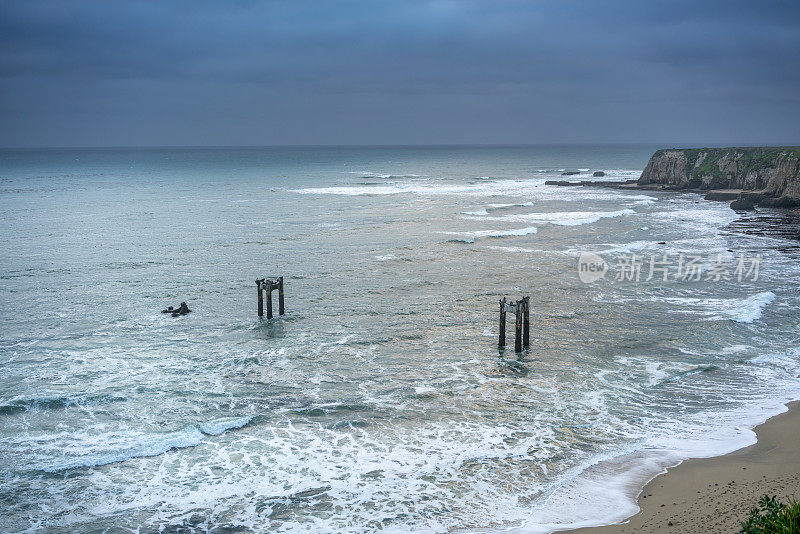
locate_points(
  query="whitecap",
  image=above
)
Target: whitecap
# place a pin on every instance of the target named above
(565, 218)
(218, 426)
(625, 248)
(137, 446)
(744, 310)
(494, 233)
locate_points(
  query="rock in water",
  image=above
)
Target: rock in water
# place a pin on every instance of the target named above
(742, 204)
(598, 173)
(183, 309)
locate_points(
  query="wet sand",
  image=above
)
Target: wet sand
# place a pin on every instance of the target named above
(715, 494)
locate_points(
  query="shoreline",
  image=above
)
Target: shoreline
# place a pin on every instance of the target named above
(714, 494)
(639, 474)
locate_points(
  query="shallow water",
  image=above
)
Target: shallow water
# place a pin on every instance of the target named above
(380, 401)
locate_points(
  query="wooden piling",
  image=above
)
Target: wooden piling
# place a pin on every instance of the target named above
(280, 296)
(526, 322)
(266, 285)
(522, 323)
(268, 288)
(502, 341)
(260, 299)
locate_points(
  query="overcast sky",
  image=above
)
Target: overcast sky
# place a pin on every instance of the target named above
(119, 73)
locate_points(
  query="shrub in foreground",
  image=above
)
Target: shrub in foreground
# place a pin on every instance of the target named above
(771, 516)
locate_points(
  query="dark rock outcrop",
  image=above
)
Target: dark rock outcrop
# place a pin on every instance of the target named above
(755, 196)
(598, 173)
(742, 204)
(722, 195)
(780, 202)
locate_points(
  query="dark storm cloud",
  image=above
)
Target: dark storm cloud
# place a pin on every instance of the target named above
(413, 71)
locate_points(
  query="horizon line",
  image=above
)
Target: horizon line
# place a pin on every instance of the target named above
(400, 145)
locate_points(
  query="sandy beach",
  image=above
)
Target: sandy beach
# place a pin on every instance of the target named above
(715, 494)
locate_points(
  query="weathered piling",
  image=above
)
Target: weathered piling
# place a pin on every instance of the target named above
(526, 322)
(268, 289)
(267, 285)
(521, 311)
(502, 342)
(280, 296)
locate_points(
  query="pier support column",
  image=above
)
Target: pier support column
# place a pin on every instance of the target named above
(526, 322)
(280, 296)
(268, 284)
(502, 340)
(518, 328)
(260, 299)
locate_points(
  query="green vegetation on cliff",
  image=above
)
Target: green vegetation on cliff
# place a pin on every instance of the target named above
(773, 169)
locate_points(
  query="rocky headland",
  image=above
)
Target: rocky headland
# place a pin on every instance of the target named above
(749, 177)
(766, 176)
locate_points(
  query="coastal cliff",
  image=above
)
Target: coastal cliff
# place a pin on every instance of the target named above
(764, 175)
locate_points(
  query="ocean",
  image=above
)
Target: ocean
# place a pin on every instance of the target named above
(380, 402)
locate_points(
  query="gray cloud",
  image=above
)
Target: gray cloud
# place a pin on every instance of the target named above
(392, 71)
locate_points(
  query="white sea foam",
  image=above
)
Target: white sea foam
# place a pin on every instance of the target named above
(567, 218)
(753, 307)
(626, 248)
(525, 188)
(495, 233)
(370, 174)
(742, 310)
(294, 463)
(522, 249)
(501, 206)
(483, 188)
(119, 447)
(709, 248)
(605, 492)
(703, 217)
(217, 427)
(598, 494)
(788, 360)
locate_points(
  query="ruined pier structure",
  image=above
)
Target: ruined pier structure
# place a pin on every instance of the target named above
(522, 323)
(267, 285)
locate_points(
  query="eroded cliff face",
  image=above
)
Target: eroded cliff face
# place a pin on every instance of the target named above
(773, 171)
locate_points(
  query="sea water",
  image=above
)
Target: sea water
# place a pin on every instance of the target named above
(380, 401)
